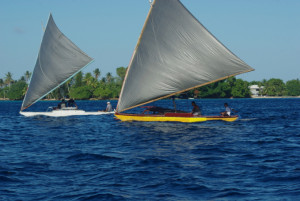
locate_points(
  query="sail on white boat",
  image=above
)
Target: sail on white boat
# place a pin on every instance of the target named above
(59, 59)
(175, 53)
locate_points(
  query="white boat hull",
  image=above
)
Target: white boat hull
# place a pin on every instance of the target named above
(63, 113)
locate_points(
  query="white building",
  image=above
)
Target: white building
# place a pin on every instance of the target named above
(256, 90)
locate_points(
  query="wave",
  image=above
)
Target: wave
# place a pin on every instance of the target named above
(90, 196)
(88, 157)
(4, 179)
(249, 119)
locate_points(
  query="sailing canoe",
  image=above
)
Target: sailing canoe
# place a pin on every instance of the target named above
(174, 53)
(59, 59)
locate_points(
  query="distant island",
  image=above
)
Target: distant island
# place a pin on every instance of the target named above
(86, 86)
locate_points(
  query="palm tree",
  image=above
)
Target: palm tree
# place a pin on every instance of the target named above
(97, 73)
(1, 83)
(23, 79)
(103, 80)
(121, 72)
(78, 79)
(27, 75)
(88, 79)
(108, 77)
(8, 79)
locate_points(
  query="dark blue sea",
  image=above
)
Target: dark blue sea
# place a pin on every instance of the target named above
(101, 158)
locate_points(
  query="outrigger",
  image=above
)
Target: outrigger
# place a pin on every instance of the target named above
(59, 60)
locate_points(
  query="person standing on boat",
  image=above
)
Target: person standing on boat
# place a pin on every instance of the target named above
(228, 110)
(108, 107)
(196, 110)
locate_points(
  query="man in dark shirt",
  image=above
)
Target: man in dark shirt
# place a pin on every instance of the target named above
(196, 109)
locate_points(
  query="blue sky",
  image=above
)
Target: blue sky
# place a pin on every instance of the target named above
(263, 33)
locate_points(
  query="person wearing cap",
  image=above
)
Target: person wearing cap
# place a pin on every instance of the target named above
(108, 107)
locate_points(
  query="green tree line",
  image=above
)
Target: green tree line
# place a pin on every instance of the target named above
(92, 85)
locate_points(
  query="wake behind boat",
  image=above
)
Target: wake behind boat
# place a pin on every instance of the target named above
(174, 53)
(68, 111)
(59, 60)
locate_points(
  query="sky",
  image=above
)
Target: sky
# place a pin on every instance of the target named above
(263, 33)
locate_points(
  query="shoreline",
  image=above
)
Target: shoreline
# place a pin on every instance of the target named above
(93, 99)
(275, 96)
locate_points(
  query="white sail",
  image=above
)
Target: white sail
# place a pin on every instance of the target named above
(58, 60)
(175, 53)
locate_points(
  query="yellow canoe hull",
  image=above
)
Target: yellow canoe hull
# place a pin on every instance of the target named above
(177, 118)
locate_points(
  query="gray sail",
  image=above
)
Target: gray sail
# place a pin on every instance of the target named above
(175, 53)
(58, 60)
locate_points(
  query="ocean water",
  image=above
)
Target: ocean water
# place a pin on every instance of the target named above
(101, 158)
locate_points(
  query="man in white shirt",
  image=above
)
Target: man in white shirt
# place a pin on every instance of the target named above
(108, 107)
(228, 110)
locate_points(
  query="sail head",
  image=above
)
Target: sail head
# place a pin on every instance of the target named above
(58, 60)
(175, 53)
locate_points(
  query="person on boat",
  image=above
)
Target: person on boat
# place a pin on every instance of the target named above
(196, 110)
(228, 111)
(60, 105)
(71, 103)
(108, 107)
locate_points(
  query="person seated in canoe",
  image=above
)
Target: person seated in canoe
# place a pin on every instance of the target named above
(228, 111)
(196, 110)
(71, 103)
